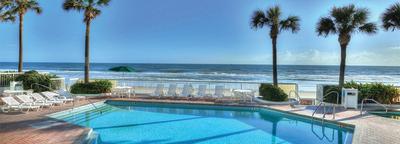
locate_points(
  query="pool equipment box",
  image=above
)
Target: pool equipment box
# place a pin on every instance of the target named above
(350, 98)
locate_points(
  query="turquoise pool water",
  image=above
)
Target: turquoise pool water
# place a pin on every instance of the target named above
(158, 123)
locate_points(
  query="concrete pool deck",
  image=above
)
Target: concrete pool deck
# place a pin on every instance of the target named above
(35, 127)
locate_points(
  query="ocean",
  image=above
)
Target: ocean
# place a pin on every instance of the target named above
(306, 76)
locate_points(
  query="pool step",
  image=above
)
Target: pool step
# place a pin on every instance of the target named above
(100, 107)
(77, 109)
(82, 118)
(67, 116)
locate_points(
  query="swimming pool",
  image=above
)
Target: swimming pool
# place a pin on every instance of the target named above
(153, 123)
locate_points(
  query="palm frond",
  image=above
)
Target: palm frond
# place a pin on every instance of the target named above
(343, 15)
(360, 16)
(369, 28)
(273, 14)
(325, 26)
(34, 6)
(5, 4)
(103, 2)
(78, 5)
(292, 23)
(91, 8)
(391, 17)
(258, 20)
(7, 17)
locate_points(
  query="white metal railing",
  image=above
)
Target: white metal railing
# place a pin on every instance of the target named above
(148, 86)
(6, 77)
(322, 103)
(362, 104)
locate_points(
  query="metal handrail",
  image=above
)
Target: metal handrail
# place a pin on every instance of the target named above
(319, 105)
(296, 94)
(362, 105)
(324, 103)
(49, 88)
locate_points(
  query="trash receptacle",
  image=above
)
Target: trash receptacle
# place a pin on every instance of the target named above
(350, 98)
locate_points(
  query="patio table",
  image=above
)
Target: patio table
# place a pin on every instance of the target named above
(244, 93)
(126, 89)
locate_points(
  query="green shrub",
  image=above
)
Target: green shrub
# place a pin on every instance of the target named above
(377, 91)
(272, 93)
(31, 78)
(95, 87)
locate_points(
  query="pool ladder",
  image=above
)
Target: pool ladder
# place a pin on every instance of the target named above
(323, 104)
(362, 105)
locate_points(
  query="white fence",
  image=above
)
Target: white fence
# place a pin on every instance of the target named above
(5, 78)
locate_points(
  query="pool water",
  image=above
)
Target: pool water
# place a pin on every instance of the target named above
(159, 123)
(389, 114)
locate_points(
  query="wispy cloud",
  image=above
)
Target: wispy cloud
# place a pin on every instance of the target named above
(395, 48)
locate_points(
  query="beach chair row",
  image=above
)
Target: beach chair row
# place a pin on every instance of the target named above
(34, 101)
(187, 91)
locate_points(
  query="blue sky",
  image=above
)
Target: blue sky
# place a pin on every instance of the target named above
(193, 31)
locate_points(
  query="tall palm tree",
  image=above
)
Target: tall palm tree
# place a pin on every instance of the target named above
(391, 18)
(272, 18)
(10, 9)
(91, 10)
(345, 21)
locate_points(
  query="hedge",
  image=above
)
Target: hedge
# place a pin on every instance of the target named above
(272, 93)
(95, 87)
(378, 91)
(30, 78)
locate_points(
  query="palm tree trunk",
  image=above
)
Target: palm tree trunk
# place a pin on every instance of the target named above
(274, 63)
(87, 51)
(20, 54)
(342, 64)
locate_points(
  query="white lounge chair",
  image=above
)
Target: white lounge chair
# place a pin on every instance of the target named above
(187, 90)
(219, 91)
(54, 96)
(172, 90)
(27, 99)
(159, 90)
(39, 98)
(68, 96)
(202, 91)
(12, 104)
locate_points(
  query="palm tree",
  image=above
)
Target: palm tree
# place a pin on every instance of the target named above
(345, 21)
(272, 18)
(10, 9)
(391, 17)
(91, 10)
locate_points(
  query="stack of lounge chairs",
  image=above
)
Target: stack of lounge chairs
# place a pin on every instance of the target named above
(34, 101)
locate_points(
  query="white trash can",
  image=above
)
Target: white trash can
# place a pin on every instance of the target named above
(350, 98)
